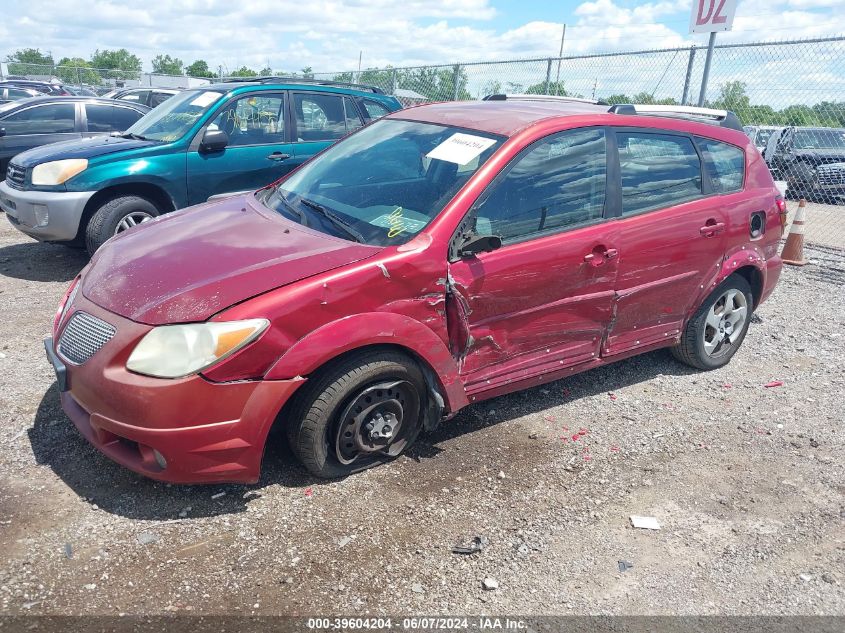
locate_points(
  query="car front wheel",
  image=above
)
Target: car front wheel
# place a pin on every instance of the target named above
(715, 332)
(115, 216)
(357, 413)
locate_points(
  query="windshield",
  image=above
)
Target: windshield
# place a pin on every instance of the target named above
(172, 119)
(820, 139)
(763, 136)
(384, 184)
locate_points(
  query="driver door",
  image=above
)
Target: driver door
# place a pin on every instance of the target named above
(258, 152)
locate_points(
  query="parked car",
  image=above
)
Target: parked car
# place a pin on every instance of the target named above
(812, 162)
(33, 122)
(218, 139)
(441, 256)
(759, 134)
(81, 91)
(151, 97)
(14, 93)
(44, 87)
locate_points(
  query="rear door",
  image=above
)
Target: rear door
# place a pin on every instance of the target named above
(258, 152)
(38, 125)
(543, 301)
(672, 230)
(320, 119)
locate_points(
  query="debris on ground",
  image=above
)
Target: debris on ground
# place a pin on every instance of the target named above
(417, 588)
(774, 383)
(490, 584)
(184, 512)
(147, 538)
(218, 495)
(645, 523)
(343, 542)
(68, 551)
(478, 544)
(624, 565)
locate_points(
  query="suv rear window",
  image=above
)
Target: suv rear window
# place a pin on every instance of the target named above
(725, 165)
(658, 170)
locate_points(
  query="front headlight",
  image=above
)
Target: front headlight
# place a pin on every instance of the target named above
(175, 351)
(58, 171)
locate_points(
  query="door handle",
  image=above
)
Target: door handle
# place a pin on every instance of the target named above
(599, 255)
(278, 156)
(709, 230)
(610, 253)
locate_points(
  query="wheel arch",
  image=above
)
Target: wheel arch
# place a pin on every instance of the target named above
(150, 191)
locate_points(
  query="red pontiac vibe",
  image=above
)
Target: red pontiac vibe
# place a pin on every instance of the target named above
(443, 255)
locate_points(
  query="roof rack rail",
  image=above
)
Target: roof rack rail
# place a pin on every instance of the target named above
(723, 118)
(303, 80)
(533, 97)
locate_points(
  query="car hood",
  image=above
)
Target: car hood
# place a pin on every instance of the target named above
(78, 148)
(189, 265)
(821, 155)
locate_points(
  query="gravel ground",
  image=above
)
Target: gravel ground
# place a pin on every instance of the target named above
(747, 483)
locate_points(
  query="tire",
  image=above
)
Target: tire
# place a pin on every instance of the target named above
(106, 221)
(799, 179)
(702, 331)
(328, 401)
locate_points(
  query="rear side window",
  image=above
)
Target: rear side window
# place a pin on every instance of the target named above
(319, 117)
(353, 119)
(725, 165)
(138, 97)
(374, 109)
(58, 118)
(658, 170)
(558, 183)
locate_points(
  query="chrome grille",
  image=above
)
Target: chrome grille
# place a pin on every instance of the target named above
(15, 175)
(83, 337)
(831, 176)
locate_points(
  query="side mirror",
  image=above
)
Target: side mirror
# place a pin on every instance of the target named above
(2, 131)
(480, 244)
(214, 141)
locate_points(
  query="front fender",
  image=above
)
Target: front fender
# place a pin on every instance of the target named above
(165, 172)
(373, 328)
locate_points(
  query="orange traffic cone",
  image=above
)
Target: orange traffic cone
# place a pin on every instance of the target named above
(793, 250)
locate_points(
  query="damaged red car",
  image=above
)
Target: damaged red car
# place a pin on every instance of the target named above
(441, 256)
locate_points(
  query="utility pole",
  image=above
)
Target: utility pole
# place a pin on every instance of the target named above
(360, 55)
(706, 75)
(560, 55)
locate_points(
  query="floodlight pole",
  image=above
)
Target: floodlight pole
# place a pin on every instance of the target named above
(706, 74)
(560, 55)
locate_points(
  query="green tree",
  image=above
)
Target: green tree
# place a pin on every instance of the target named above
(199, 69)
(265, 72)
(733, 96)
(243, 71)
(29, 61)
(121, 63)
(619, 98)
(307, 72)
(167, 65)
(554, 88)
(75, 70)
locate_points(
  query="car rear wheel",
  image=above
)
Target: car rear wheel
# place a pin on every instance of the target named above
(115, 216)
(717, 329)
(357, 413)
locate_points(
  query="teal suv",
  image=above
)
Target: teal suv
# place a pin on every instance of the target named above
(220, 139)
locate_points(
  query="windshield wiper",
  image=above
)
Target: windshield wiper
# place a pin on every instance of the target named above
(137, 137)
(334, 219)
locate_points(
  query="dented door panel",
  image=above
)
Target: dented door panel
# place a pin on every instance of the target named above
(526, 305)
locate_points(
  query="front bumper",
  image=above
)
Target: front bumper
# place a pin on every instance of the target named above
(48, 216)
(202, 432)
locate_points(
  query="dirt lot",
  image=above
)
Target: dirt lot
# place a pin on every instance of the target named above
(747, 483)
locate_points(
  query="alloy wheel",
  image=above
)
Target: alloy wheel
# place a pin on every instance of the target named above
(725, 322)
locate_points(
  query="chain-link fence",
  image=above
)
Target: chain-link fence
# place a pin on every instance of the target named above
(97, 81)
(790, 96)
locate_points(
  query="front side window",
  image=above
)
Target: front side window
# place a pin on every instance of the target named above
(319, 117)
(175, 117)
(100, 117)
(384, 184)
(253, 120)
(558, 183)
(56, 118)
(658, 170)
(125, 118)
(725, 165)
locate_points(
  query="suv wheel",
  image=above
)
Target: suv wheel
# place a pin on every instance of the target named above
(115, 216)
(717, 329)
(357, 414)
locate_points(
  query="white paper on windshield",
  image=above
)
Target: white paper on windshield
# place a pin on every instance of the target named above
(206, 98)
(460, 148)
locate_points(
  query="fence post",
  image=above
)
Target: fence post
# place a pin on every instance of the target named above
(456, 77)
(393, 77)
(548, 75)
(689, 74)
(706, 76)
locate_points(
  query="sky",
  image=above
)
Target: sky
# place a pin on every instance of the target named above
(330, 35)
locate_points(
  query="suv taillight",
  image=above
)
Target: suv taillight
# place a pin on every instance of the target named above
(780, 203)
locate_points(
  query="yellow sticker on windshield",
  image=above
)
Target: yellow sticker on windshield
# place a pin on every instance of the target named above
(396, 222)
